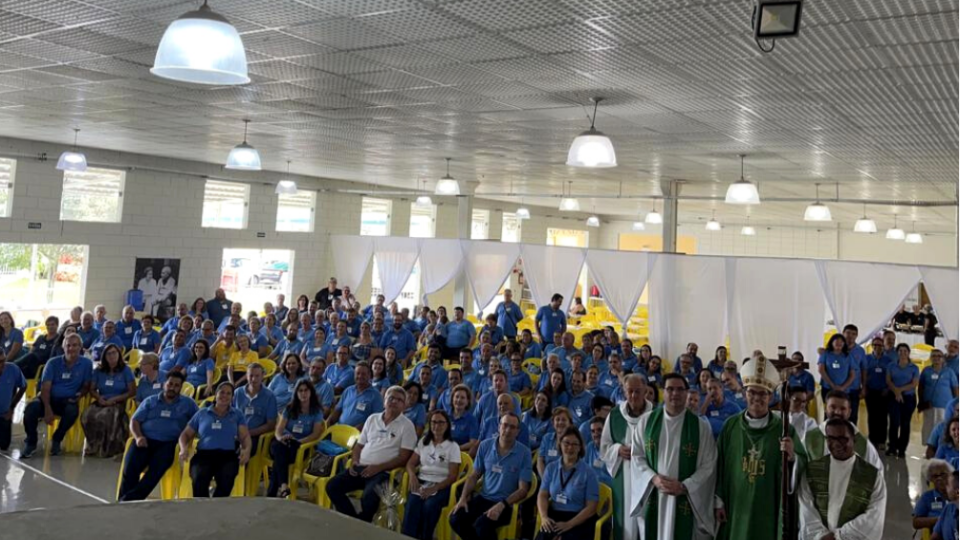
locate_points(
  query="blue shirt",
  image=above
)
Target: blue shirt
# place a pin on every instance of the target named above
(936, 435)
(460, 334)
(536, 428)
(286, 346)
(876, 369)
(550, 321)
(88, 336)
(313, 351)
(339, 376)
(324, 393)
(838, 367)
(496, 333)
(355, 407)
(100, 344)
(946, 526)
(487, 406)
(162, 421)
(44, 348)
(66, 383)
(953, 362)
(519, 382)
(858, 361)
(276, 334)
(282, 389)
(302, 426)
(804, 379)
(196, 372)
(570, 490)
(12, 338)
(126, 331)
(717, 416)
(548, 448)
(533, 350)
(218, 310)
(580, 407)
(11, 381)
(502, 474)
(172, 357)
(595, 460)
(257, 410)
(938, 387)
(903, 375)
(948, 453)
(417, 414)
(716, 369)
(930, 504)
(606, 385)
(216, 432)
(145, 388)
(508, 315)
(438, 375)
(697, 365)
(146, 341)
(112, 384)
(465, 428)
(490, 428)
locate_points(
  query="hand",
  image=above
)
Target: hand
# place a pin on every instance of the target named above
(244, 456)
(461, 505)
(141, 441)
(863, 393)
(286, 438)
(829, 536)
(353, 471)
(494, 512)
(426, 493)
(103, 402)
(48, 417)
(184, 455)
(624, 452)
(786, 445)
(415, 485)
(721, 515)
(667, 485)
(562, 527)
(370, 471)
(547, 525)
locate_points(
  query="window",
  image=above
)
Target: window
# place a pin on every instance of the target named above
(41, 279)
(254, 276)
(510, 230)
(480, 227)
(225, 205)
(295, 213)
(92, 195)
(423, 221)
(375, 217)
(8, 172)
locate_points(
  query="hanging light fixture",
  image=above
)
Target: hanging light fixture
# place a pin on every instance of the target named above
(639, 226)
(593, 221)
(713, 224)
(73, 159)
(592, 149)
(653, 217)
(287, 186)
(896, 233)
(423, 200)
(747, 230)
(447, 185)
(817, 211)
(742, 191)
(201, 47)
(523, 212)
(244, 157)
(569, 204)
(914, 237)
(865, 225)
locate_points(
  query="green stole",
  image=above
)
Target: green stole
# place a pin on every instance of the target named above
(689, 448)
(857, 498)
(814, 442)
(618, 431)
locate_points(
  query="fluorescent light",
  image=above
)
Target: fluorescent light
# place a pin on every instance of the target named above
(896, 234)
(865, 225)
(201, 47)
(286, 187)
(777, 18)
(653, 218)
(568, 204)
(424, 200)
(914, 238)
(748, 231)
(593, 221)
(73, 160)
(817, 212)
(639, 226)
(244, 157)
(523, 213)
(591, 148)
(713, 225)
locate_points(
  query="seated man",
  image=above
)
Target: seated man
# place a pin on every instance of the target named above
(127, 326)
(506, 469)
(257, 404)
(487, 405)
(490, 426)
(12, 387)
(44, 348)
(386, 442)
(66, 379)
(156, 428)
(946, 527)
(359, 401)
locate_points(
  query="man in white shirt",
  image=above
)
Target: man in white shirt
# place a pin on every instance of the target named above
(386, 442)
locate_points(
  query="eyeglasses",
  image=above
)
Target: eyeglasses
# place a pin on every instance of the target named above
(439, 422)
(570, 444)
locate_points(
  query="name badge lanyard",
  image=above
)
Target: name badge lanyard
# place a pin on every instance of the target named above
(564, 482)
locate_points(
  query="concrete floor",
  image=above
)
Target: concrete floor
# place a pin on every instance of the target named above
(70, 481)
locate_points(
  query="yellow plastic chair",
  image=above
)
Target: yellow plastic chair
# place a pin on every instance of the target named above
(74, 439)
(31, 334)
(133, 358)
(604, 511)
(269, 367)
(466, 468)
(186, 483)
(217, 375)
(255, 466)
(511, 530)
(533, 367)
(472, 318)
(345, 436)
(187, 390)
(508, 531)
(169, 484)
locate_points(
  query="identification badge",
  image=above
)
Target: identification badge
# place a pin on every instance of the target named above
(128, 330)
(249, 411)
(597, 463)
(6, 343)
(66, 376)
(43, 346)
(108, 382)
(143, 341)
(361, 407)
(561, 498)
(935, 377)
(496, 469)
(223, 306)
(651, 378)
(878, 370)
(298, 428)
(216, 425)
(836, 365)
(938, 505)
(157, 386)
(165, 414)
(579, 411)
(608, 382)
(194, 368)
(715, 414)
(552, 452)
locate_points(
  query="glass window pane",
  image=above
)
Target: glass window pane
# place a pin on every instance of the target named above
(92, 195)
(8, 173)
(295, 213)
(510, 231)
(480, 227)
(225, 205)
(375, 217)
(422, 221)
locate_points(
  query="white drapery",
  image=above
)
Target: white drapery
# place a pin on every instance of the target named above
(441, 261)
(772, 303)
(395, 259)
(550, 270)
(865, 294)
(351, 257)
(942, 286)
(488, 265)
(688, 303)
(621, 277)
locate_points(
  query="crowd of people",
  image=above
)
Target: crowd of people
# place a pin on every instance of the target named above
(685, 449)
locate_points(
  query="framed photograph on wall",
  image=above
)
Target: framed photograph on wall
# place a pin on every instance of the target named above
(157, 280)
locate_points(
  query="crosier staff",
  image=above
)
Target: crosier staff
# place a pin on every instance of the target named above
(790, 528)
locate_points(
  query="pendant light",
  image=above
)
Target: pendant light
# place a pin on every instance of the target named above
(523, 212)
(287, 186)
(423, 200)
(865, 225)
(653, 217)
(817, 211)
(447, 185)
(569, 204)
(593, 220)
(896, 233)
(713, 224)
(73, 159)
(592, 149)
(639, 226)
(747, 230)
(742, 191)
(201, 47)
(244, 157)
(914, 237)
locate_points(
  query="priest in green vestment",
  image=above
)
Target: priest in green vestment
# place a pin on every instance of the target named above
(815, 441)
(749, 452)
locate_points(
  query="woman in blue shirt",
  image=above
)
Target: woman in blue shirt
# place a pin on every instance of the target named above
(105, 419)
(946, 527)
(200, 368)
(220, 429)
(151, 378)
(569, 495)
(11, 337)
(938, 385)
(199, 308)
(379, 369)
(258, 341)
(301, 422)
(902, 380)
(654, 371)
(835, 365)
(415, 410)
(147, 339)
(283, 383)
(557, 389)
(318, 348)
(549, 452)
(394, 369)
(364, 347)
(531, 349)
(464, 427)
(538, 419)
(930, 505)
(948, 448)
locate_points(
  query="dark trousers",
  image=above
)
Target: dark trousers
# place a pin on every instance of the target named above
(877, 414)
(284, 455)
(584, 531)
(6, 432)
(450, 353)
(420, 517)
(152, 462)
(854, 396)
(29, 365)
(66, 408)
(901, 414)
(219, 465)
(340, 485)
(471, 524)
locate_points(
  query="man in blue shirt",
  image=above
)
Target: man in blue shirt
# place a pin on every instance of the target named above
(108, 335)
(439, 379)
(99, 317)
(952, 360)
(280, 309)
(183, 310)
(218, 307)
(12, 387)
(938, 385)
(460, 334)
(87, 331)
(946, 527)
(508, 315)
(257, 404)
(551, 319)
(875, 370)
(487, 404)
(340, 374)
(373, 308)
(697, 363)
(127, 326)
(716, 409)
(580, 399)
(66, 379)
(44, 348)
(858, 359)
(156, 428)
(358, 402)
(400, 339)
(506, 469)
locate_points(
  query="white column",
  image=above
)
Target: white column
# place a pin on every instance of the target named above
(464, 220)
(670, 190)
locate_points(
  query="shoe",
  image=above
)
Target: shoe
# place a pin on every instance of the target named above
(901, 454)
(28, 451)
(55, 448)
(891, 452)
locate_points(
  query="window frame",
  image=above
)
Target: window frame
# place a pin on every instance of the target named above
(71, 176)
(6, 210)
(311, 226)
(244, 219)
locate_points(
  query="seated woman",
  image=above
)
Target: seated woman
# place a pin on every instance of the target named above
(364, 347)
(105, 420)
(200, 368)
(301, 422)
(151, 378)
(11, 337)
(283, 383)
(239, 360)
(557, 389)
(569, 494)
(464, 426)
(577, 309)
(931, 504)
(379, 369)
(549, 450)
(415, 410)
(538, 419)
(258, 341)
(147, 339)
(318, 348)
(394, 368)
(45, 347)
(432, 469)
(221, 429)
(948, 448)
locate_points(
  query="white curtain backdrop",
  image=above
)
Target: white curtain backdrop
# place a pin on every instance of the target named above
(441, 261)
(688, 302)
(351, 256)
(395, 259)
(942, 286)
(551, 269)
(865, 294)
(772, 303)
(488, 265)
(621, 277)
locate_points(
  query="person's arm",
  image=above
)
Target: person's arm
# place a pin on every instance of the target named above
(894, 389)
(398, 461)
(122, 398)
(335, 415)
(414, 481)
(355, 457)
(141, 441)
(589, 510)
(543, 507)
(467, 492)
(186, 437)
(924, 522)
(48, 417)
(314, 435)
(822, 368)
(267, 427)
(541, 465)
(851, 376)
(278, 432)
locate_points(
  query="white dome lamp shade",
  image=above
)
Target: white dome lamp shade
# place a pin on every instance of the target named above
(748, 230)
(523, 212)
(286, 186)
(896, 233)
(639, 226)
(201, 47)
(865, 225)
(73, 159)
(742, 191)
(423, 200)
(447, 185)
(653, 217)
(593, 221)
(713, 225)
(914, 237)
(592, 149)
(817, 211)
(243, 157)
(568, 203)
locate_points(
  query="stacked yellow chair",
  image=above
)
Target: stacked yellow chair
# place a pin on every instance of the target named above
(73, 441)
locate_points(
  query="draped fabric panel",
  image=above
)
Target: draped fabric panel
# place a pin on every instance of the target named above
(865, 294)
(621, 277)
(688, 303)
(771, 303)
(488, 265)
(395, 259)
(441, 261)
(550, 270)
(351, 257)
(942, 286)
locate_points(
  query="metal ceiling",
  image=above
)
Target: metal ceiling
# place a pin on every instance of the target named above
(382, 90)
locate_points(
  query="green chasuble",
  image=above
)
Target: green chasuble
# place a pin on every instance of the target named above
(859, 489)
(618, 431)
(690, 442)
(748, 477)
